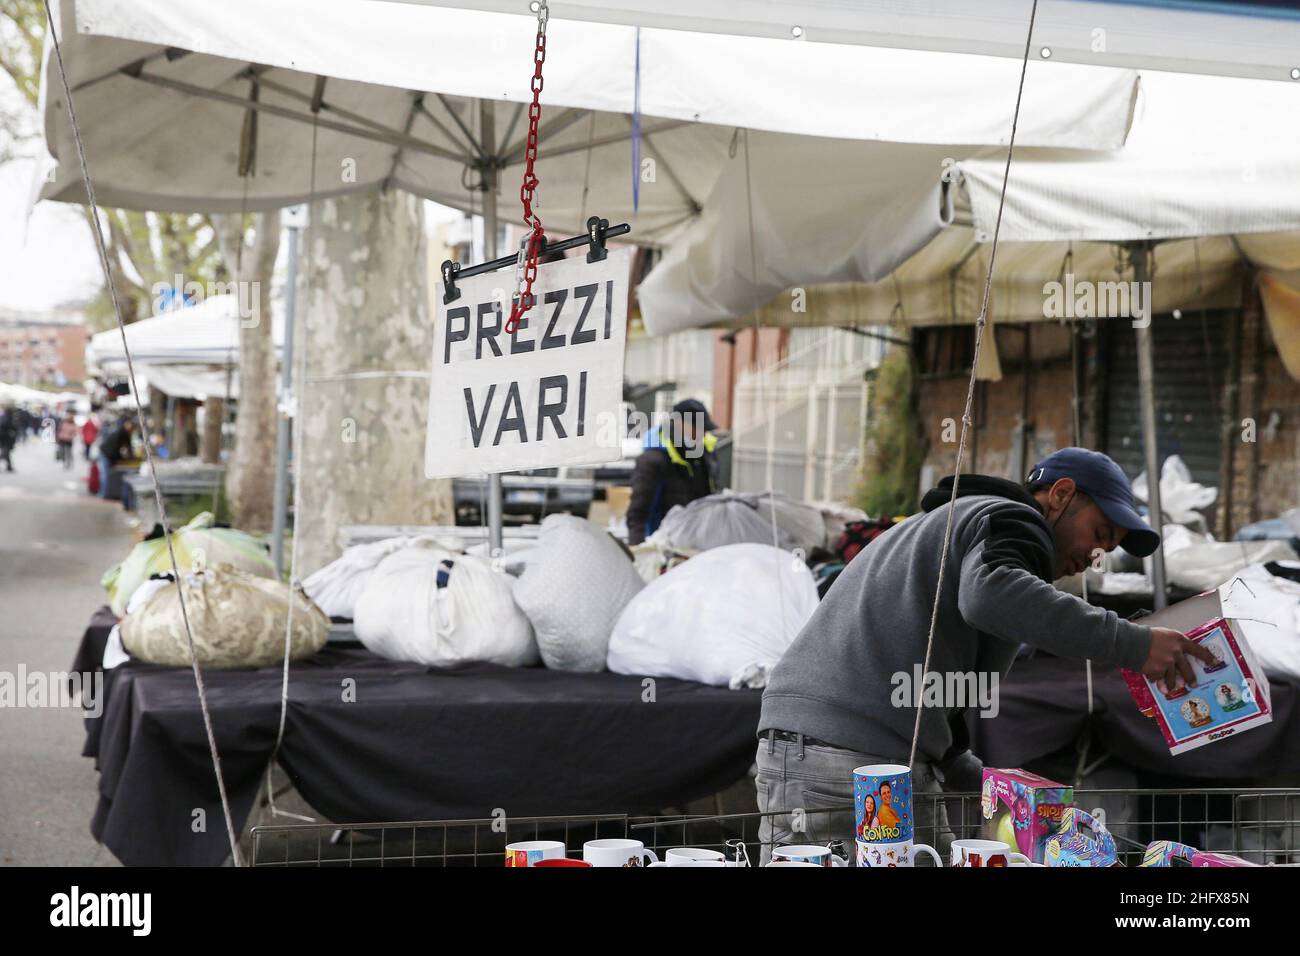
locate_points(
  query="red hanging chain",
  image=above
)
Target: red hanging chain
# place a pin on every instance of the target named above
(526, 266)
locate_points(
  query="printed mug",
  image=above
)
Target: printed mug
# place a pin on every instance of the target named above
(693, 856)
(530, 852)
(808, 853)
(720, 864)
(894, 854)
(617, 853)
(794, 863)
(882, 803)
(986, 853)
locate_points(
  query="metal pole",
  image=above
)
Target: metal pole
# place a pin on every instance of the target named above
(1146, 392)
(281, 514)
(488, 144)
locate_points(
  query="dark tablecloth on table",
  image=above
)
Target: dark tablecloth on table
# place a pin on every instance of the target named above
(416, 743)
(1044, 707)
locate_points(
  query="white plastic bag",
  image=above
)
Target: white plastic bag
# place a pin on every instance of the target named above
(710, 619)
(1181, 499)
(404, 615)
(573, 589)
(336, 587)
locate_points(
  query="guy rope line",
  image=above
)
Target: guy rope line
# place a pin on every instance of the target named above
(97, 229)
(970, 388)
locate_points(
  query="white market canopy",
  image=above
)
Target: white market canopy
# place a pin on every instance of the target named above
(1210, 169)
(1230, 39)
(162, 88)
(22, 395)
(206, 334)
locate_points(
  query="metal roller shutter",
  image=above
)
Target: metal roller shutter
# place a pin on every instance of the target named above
(1190, 358)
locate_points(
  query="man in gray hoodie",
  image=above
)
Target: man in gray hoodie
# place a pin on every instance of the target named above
(832, 703)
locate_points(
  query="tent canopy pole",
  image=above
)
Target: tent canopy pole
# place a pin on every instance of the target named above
(1141, 252)
(487, 139)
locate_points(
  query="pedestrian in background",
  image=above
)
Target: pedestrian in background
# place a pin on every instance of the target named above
(89, 431)
(116, 446)
(65, 436)
(9, 429)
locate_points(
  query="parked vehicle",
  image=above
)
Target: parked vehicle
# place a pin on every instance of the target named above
(527, 495)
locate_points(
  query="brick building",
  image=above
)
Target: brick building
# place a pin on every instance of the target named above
(42, 354)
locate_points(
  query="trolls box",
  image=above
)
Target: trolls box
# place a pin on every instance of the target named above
(1022, 809)
(1231, 695)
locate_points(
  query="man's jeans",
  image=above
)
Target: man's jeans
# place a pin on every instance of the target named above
(799, 790)
(105, 469)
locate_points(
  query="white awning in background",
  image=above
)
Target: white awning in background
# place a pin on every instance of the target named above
(202, 334)
(1211, 166)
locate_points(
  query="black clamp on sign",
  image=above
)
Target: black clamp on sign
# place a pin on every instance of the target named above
(596, 229)
(449, 270)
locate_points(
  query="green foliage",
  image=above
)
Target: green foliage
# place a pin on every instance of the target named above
(896, 441)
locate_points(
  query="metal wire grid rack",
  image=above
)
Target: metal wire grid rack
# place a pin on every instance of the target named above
(1261, 825)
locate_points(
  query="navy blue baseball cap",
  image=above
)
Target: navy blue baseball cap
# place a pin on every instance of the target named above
(1098, 477)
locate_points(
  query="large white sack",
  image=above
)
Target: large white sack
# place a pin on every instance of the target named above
(403, 614)
(708, 620)
(731, 517)
(574, 587)
(336, 587)
(236, 619)
(802, 524)
(715, 521)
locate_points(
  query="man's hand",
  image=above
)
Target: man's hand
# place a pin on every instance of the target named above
(1168, 657)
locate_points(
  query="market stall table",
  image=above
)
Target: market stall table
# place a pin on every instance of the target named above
(370, 739)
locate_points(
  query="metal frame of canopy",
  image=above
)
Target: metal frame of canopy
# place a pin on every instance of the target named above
(480, 153)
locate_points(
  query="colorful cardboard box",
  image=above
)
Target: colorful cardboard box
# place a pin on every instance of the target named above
(1230, 696)
(1022, 809)
(1082, 841)
(1165, 852)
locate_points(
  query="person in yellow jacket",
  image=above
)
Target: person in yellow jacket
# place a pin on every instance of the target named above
(677, 466)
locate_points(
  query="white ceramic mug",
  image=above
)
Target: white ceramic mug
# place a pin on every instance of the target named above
(617, 853)
(799, 863)
(808, 853)
(719, 864)
(693, 856)
(528, 852)
(986, 853)
(902, 853)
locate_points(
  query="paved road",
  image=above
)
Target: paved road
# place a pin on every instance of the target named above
(55, 542)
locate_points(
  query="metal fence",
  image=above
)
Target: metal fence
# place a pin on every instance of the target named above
(1261, 825)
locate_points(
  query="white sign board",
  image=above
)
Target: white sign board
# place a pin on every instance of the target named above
(550, 393)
